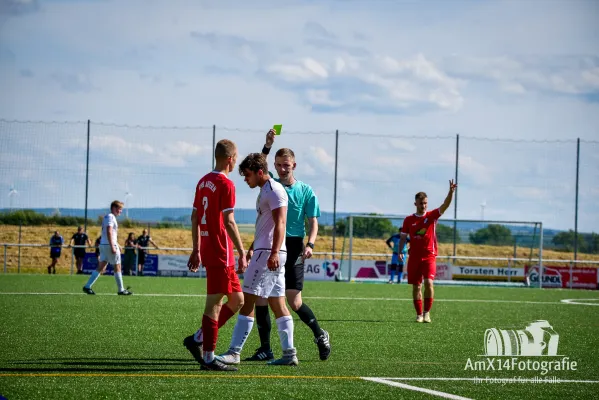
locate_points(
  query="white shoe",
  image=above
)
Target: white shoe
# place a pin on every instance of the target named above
(229, 358)
(419, 318)
(289, 358)
(427, 317)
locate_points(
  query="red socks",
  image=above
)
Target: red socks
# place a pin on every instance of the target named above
(428, 304)
(225, 314)
(210, 332)
(418, 306)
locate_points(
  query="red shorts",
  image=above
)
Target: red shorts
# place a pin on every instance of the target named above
(222, 280)
(421, 267)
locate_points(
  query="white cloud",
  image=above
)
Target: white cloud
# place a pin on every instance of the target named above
(308, 69)
(591, 77)
(322, 157)
(320, 97)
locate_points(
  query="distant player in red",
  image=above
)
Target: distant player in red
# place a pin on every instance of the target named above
(422, 265)
(214, 233)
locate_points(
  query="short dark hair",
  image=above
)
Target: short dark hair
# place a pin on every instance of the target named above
(420, 195)
(254, 162)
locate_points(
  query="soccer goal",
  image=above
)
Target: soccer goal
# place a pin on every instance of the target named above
(470, 251)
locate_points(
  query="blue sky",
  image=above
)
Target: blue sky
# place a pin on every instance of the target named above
(411, 74)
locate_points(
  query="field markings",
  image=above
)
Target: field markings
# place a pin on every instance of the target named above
(564, 301)
(416, 388)
(580, 302)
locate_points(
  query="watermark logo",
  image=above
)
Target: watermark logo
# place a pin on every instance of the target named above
(537, 339)
(533, 348)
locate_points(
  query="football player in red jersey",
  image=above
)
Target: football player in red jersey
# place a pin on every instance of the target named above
(422, 265)
(214, 233)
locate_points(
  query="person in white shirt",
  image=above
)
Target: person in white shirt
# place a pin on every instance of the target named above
(110, 252)
(265, 274)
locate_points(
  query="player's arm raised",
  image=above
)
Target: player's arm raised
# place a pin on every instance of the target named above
(231, 227)
(194, 259)
(270, 139)
(279, 216)
(447, 202)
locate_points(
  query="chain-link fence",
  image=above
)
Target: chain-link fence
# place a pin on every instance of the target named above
(78, 168)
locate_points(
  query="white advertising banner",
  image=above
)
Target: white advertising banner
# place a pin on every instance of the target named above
(488, 273)
(176, 265)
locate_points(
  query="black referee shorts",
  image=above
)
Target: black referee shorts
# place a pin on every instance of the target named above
(294, 266)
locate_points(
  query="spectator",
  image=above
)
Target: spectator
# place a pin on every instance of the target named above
(80, 239)
(97, 246)
(56, 242)
(129, 259)
(142, 244)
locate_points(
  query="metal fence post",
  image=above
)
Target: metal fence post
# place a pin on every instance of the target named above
(576, 201)
(213, 144)
(571, 276)
(5, 258)
(541, 268)
(351, 243)
(86, 175)
(19, 259)
(335, 189)
(455, 200)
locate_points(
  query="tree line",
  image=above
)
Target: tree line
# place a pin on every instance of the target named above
(492, 235)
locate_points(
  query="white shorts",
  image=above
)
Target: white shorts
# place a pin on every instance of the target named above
(107, 255)
(261, 281)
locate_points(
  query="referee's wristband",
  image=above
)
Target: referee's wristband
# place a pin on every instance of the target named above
(311, 245)
(265, 150)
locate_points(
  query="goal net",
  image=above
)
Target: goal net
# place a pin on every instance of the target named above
(475, 251)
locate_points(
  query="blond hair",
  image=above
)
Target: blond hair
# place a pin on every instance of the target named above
(117, 204)
(285, 152)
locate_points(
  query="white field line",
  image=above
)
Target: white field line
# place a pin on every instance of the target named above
(417, 389)
(581, 302)
(477, 379)
(565, 301)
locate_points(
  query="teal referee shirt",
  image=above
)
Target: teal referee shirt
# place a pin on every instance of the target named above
(303, 203)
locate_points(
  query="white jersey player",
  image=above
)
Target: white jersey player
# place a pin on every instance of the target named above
(110, 252)
(265, 275)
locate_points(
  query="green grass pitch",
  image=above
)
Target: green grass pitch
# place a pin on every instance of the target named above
(57, 343)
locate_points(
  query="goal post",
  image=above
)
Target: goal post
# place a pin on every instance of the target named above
(509, 251)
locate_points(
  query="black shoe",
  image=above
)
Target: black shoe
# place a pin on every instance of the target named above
(88, 290)
(194, 348)
(79, 272)
(125, 292)
(324, 345)
(261, 355)
(217, 365)
(49, 270)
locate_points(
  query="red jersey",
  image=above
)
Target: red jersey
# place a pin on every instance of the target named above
(422, 232)
(215, 193)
